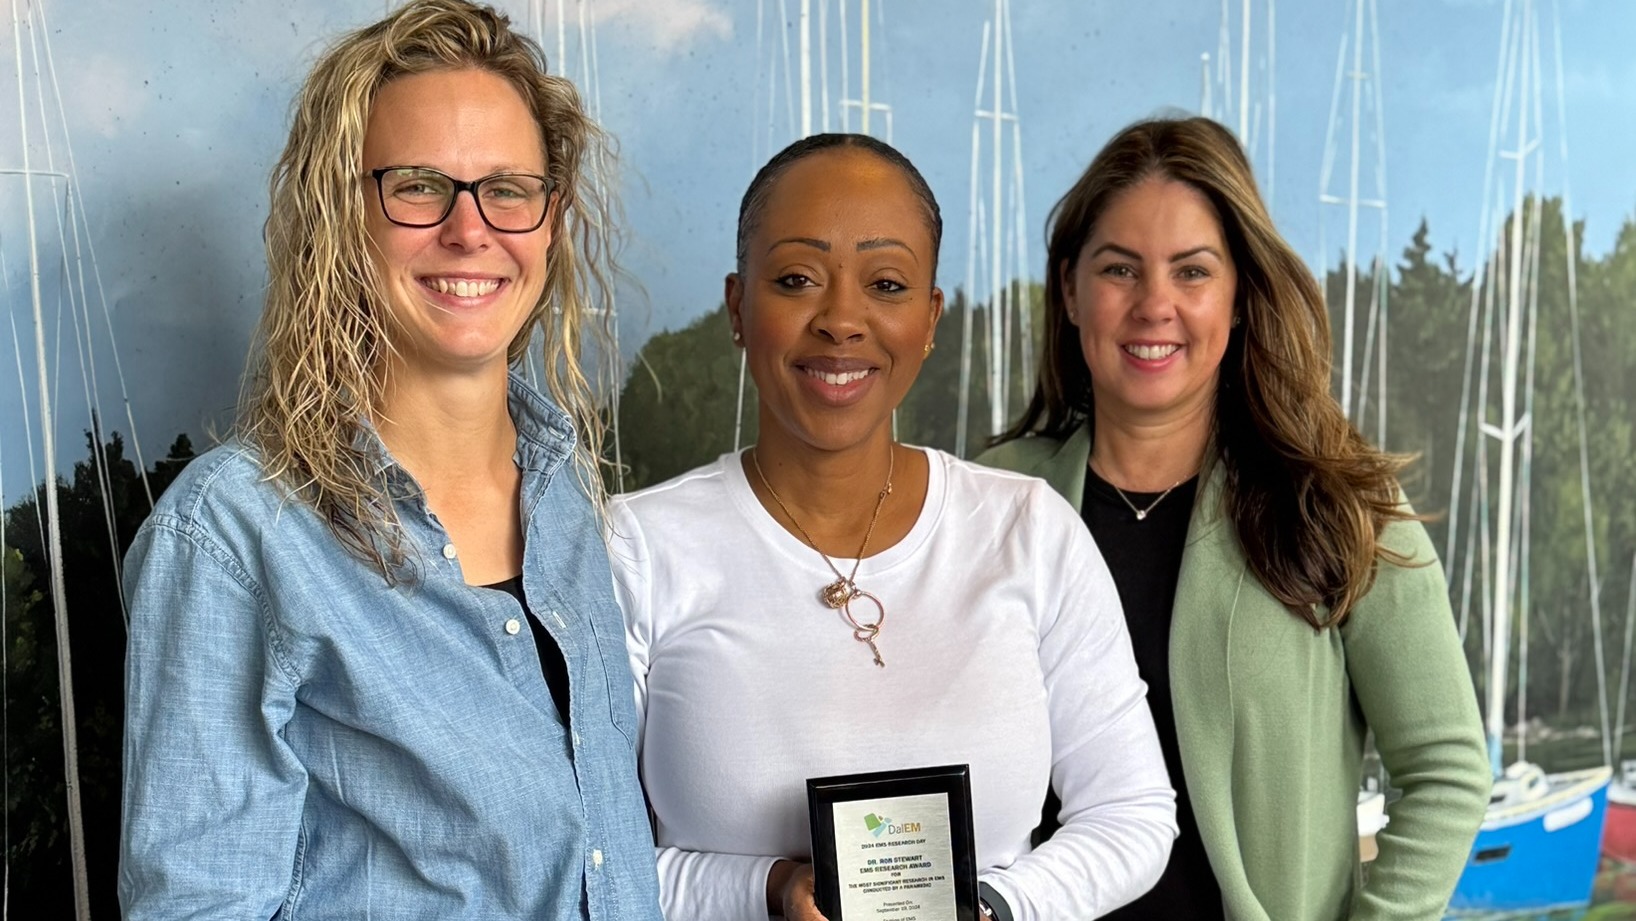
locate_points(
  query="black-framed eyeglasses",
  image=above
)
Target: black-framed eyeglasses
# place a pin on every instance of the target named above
(418, 196)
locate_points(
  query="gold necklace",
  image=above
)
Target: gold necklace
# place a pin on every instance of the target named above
(840, 594)
(1141, 513)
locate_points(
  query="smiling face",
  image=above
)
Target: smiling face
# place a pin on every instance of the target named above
(458, 292)
(836, 304)
(1152, 296)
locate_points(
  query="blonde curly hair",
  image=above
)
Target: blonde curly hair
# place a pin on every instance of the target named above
(316, 374)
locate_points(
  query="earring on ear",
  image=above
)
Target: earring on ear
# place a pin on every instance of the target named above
(928, 349)
(1237, 320)
(738, 336)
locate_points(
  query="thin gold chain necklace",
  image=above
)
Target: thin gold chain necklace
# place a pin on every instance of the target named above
(1141, 513)
(840, 594)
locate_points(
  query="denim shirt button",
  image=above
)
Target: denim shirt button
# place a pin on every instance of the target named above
(596, 857)
(513, 626)
(448, 551)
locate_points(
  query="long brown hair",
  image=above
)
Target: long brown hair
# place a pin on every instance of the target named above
(316, 374)
(1307, 496)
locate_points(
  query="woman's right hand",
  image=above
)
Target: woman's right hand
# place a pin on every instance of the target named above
(793, 883)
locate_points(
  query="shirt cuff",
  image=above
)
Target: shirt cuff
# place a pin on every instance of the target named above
(995, 901)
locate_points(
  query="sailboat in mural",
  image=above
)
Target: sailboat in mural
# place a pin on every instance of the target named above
(997, 259)
(59, 334)
(1538, 847)
(1358, 72)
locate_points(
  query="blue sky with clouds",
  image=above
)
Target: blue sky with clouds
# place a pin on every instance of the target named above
(175, 111)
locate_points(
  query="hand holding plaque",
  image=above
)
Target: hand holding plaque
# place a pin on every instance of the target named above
(894, 845)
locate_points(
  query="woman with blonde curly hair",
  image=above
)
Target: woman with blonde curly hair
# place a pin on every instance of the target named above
(376, 665)
(1281, 597)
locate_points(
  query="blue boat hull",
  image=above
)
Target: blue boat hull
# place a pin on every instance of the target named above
(1535, 860)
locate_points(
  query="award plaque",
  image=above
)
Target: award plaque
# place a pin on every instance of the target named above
(894, 845)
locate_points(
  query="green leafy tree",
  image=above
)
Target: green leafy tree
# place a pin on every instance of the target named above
(100, 507)
(1430, 315)
(680, 402)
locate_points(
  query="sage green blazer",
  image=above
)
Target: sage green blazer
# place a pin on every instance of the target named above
(1271, 716)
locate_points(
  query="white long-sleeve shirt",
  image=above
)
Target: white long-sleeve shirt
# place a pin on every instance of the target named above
(1005, 649)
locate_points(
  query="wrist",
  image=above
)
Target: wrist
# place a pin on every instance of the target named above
(778, 878)
(991, 906)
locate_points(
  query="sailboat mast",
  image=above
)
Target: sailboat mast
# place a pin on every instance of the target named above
(806, 67)
(963, 407)
(1610, 748)
(996, 305)
(863, 62)
(1352, 215)
(1244, 78)
(59, 595)
(1204, 86)
(1272, 101)
(1512, 425)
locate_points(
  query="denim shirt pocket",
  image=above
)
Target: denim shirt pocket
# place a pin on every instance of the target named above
(608, 624)
(574, 602)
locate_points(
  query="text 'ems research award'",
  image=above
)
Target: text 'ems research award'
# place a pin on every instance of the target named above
(894, 845)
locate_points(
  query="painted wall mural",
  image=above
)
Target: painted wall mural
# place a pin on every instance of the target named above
(1456, 172)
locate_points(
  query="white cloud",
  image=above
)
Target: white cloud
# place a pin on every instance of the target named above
(670, 25)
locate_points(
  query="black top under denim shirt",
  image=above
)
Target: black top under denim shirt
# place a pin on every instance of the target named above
(551, 661)
(1145, 558)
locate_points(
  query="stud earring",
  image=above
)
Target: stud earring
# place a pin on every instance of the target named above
(738, 336)
(1237, 320)
(928, 349)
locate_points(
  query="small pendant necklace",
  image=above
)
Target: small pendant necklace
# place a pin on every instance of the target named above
(1141, 513)
(840, 594)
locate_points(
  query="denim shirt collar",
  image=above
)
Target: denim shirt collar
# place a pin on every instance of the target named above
(545, 439)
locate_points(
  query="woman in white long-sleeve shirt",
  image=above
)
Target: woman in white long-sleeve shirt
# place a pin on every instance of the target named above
(975, 621)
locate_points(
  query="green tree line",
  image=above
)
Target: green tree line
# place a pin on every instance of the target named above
(679, 405)
(677, 411)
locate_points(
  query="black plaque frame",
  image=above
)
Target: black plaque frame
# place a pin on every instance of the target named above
(954, 780)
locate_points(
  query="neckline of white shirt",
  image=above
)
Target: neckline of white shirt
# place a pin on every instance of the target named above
(762, 522)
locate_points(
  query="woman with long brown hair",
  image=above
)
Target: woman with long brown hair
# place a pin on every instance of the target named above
(1282, 598)
(376, 667)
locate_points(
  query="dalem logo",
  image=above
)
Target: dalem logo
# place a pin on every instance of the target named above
(879, 825)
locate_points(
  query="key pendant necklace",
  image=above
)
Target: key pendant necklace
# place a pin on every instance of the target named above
(840, 594)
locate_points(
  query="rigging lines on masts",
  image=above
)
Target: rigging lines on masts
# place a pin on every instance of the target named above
(865, 103)
(1233, 97)
(1358, 70)
(806, 94)
(47, 163)
(799, 75)
(1610, 747)
(587, 77)
(1516, 260)
(1510, 428)
(997, 238)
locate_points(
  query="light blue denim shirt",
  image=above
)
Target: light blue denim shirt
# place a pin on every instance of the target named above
(303, 741)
